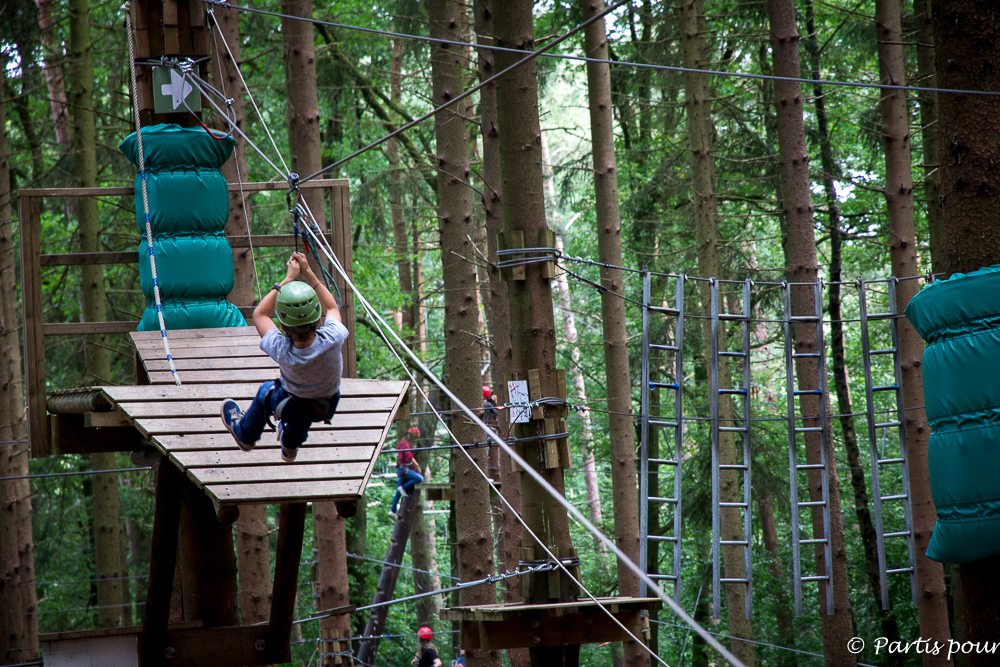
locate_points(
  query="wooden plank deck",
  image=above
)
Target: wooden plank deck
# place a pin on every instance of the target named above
(183, 421)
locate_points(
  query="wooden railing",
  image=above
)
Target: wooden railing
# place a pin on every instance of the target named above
(32, 261)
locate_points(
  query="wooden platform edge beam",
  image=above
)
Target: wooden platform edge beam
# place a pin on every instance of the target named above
(529, 632)
(267, 186)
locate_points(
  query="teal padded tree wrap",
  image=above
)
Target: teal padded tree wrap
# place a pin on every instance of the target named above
(960, 320)
(188, 211)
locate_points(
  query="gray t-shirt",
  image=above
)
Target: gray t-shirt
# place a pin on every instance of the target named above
(309, 372)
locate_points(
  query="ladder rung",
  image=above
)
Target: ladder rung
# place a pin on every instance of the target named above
(898, 533)
(898, 496)
(740, 542)
(808, 429)
(812, 503)
(658, 499)
(731, 580)
(665, 462)
(732, 504)
(668, 577)
(668, 348)
(665, 311)
(889, 461)
(810, 466)
(899, 569)
(805, 355)
(888, 387)
(880, 316)
(732, 429)
(887, 424)
(732, 354)
(888, 350)
(660, 422)
(803, 318)
(814, 540)
(732, 391)
(661, 538)
(662, 385)
(732, 466)
(732, 316)
(811, 392)
(817, 577)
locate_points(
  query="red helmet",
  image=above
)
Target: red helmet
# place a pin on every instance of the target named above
(486, 392)
(415, 432)
(424, 633)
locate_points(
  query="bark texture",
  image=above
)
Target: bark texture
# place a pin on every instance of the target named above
(802, 267)
(699, 124)
(532, 322)
(461, 312)
(782, 604)
(933, 603)
(967, 57)
(54, 77)
(303, 101)
(927, 78)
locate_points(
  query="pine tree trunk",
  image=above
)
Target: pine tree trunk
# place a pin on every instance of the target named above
(965, 47)
(617, 373)
(18, 618)
(532, 323)
(107, 512)
(927, 78)
(933, 607)
(802, 267)
(784, 623)
(461, 312)
(866, 526)
(699, 118)
(303, 102)
(54, 75)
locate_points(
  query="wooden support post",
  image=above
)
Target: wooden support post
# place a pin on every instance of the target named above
(535, 392)
(29, 215)
(291, 527)
(547, 239)
(163, 559)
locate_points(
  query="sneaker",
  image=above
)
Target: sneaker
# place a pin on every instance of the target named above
(393, 515)
(288, 454)
(231, 415)
(404, 492)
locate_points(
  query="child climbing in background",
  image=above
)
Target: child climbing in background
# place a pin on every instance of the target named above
(408, 473)
(307, 348)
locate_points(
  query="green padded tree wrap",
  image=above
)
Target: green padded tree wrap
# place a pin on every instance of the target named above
(960, 320)
(297, 304)
(188, 212)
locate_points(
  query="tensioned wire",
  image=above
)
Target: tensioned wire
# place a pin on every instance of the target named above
(524, 465)
(621, 63)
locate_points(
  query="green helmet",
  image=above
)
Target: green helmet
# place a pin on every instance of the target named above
(298, 304)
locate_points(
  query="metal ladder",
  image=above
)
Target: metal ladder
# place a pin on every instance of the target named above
(794, 430)
(876, 428)
(653, 502)
(716, 391)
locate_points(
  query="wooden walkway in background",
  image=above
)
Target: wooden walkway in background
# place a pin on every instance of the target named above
(183, 421)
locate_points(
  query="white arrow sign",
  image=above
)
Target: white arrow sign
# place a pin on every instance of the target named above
(178, 89)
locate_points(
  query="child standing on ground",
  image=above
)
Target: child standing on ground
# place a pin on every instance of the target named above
(307, 348)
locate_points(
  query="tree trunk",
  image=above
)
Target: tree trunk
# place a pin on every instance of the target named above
(802, 267)
(107, 511)
(18, 618)
(927, 78)
(699, 118)
(461, 313)
(933, 605)
(965, 47)
(784, 623)
(54, 75)
(616, 362)
(532, 322)
(866, 526)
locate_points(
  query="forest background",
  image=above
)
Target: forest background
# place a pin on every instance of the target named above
(367, 83)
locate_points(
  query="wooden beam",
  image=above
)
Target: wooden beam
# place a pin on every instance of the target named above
(226, 646)
(70, 436)
(29, 214)
(268, 186)
(586, 628)
(291, 529)
(162, 562)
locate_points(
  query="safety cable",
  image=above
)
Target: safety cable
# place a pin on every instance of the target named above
(526, 467)
(617, 63)
(145, 193)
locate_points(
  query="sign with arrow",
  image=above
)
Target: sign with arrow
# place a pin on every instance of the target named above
(172, 91)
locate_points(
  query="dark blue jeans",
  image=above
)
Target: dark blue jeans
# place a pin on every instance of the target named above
(405, 479)
(296, 420)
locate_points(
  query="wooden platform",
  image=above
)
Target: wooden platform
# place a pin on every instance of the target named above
(183, 421)
(518, 625)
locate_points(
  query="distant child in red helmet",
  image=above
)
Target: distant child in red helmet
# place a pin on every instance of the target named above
(490, 409)
(408, 473)
(427, 655)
